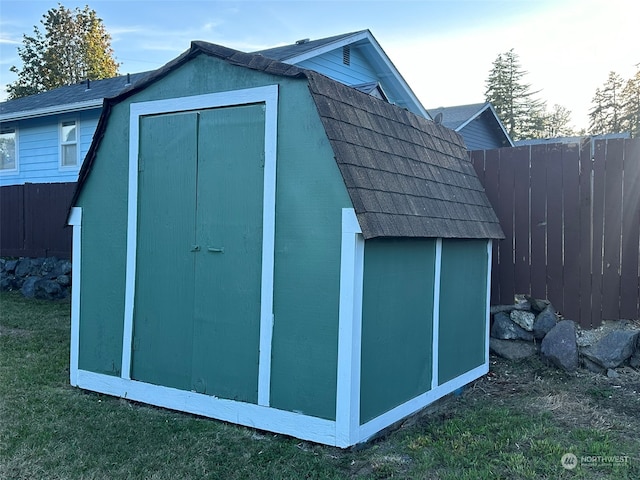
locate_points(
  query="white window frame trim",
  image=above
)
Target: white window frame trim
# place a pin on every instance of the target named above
(16, 169)
(62, 143)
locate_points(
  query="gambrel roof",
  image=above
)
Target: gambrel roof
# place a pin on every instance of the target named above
(405, 175)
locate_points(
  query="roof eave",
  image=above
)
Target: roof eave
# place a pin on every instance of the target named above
(52, 110)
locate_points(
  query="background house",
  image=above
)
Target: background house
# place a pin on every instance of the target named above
(478, 124)
(277, 314)
(43, 141)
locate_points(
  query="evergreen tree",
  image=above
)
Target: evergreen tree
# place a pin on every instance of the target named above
(556, 122)
(513, 100)
(606, 116)
(631, 106)
(74, 46)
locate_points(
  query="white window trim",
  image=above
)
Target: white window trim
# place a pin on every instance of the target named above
(61, 166)
(16, 169)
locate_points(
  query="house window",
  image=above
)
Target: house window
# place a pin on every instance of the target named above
(69, 143)
(8, 151)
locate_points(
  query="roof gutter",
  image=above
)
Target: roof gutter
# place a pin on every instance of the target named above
(53, 110)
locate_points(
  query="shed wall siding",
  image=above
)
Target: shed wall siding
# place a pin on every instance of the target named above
(310, 196)
(463, 307)
(39, 148)
(397, 323)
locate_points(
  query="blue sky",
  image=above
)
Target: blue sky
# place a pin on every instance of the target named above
(444, 49)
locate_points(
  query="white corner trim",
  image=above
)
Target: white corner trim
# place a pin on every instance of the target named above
(256, 416)
(435, 345)
(75, 220)
(267, 95)
(270, 97)
(415, 404)
(349, 330)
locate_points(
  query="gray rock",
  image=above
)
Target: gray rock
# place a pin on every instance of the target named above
(611, 373)
(10, 266)
(538, 305)
(634, 360)
(592, 366)
(612, 349)
(23, 267)
(544, 322)
(62, 267)
(500, 308)
(504, 329)
(64, 280)
(512, 349)
(559, 346)
(47, 267)
(523, 318)
(46, 289)
(8, 282)
(28, 288)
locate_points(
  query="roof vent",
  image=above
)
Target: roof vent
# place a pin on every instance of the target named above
(88, 84)
(128, 79)
(346, 55)
(438, 118)
(302, 42)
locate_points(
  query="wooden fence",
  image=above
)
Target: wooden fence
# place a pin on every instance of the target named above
(32, 220)
(571, 216)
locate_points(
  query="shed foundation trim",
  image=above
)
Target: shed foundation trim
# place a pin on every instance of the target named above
(247, 414)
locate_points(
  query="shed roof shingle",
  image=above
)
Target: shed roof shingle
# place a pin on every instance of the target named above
(406, 176)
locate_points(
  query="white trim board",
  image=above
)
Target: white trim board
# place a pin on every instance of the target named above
(75, 220)
(267, 95)
(349, 330)
(255, 416)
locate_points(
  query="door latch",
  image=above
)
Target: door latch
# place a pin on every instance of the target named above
(195, 248)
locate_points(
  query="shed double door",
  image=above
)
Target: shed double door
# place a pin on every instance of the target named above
(199, 251)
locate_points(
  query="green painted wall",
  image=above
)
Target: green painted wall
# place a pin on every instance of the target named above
(310, 196)
(397, 320)
(463, 307)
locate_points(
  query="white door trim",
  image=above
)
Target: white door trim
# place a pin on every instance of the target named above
(268, 96)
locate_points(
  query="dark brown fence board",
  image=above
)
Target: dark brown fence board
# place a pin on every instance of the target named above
(506, 212)
(11, 220)
(612, 229)
(491, 171)
(596, 203)
(538, 221)
(554, 227)
(39, 220)
(583, 202)
(521, 222)
(477, 160)
(572, 237)
(629, 275)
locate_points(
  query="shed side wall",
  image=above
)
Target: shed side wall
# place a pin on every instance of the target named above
(463, 307)
(397, 323)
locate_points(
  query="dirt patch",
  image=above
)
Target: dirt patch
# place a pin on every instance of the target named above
(580, 399)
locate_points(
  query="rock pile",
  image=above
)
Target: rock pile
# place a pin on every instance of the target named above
(45, 278)
(533, 327)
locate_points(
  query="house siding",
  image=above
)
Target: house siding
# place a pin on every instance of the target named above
(330, 64)
(39, 148)
(481, 133)
(309, 200)
(397, 323)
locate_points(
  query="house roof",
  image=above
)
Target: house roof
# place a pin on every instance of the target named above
(392, 81)
(406, 176)
(79, 96)
(459, 116)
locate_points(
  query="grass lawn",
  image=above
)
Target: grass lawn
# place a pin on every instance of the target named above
(516, 422)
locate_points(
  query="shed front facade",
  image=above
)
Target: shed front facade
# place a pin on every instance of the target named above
(260, 244)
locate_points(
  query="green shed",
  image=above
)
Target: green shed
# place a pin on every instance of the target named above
(257, 243)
